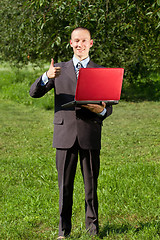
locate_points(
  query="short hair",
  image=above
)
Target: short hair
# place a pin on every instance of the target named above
(81, 28)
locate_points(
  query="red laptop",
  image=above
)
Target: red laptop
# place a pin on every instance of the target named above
(97, 85)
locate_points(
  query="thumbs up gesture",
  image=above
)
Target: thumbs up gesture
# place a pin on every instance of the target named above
(53, 72)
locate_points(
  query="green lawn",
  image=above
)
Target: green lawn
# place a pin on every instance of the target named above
(129, 181)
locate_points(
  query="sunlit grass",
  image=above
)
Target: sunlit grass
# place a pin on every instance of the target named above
(128, 187)
(129, 180)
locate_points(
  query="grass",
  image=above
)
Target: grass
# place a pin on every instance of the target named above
(15, 84)
(128, 190)
(129, 180)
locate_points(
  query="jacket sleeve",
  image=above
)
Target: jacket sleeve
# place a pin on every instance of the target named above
(108, 113)
(37, 90)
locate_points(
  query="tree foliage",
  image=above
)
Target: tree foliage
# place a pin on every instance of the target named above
(125, 33)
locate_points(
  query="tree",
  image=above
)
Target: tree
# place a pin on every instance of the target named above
(126, 33)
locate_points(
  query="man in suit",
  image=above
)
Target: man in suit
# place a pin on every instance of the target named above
(77, 130)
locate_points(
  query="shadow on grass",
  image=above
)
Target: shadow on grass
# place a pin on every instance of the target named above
(110, 229)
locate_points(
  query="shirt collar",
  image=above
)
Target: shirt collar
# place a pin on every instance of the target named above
(83, 62)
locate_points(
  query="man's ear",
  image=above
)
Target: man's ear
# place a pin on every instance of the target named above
(70, 43)
(91, 42)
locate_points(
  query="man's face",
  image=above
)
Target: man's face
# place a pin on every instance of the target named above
(81, 43)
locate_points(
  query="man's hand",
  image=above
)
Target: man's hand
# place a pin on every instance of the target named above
(96, 108)
(53, 72)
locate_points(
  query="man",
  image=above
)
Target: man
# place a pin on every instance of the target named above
(76, 130)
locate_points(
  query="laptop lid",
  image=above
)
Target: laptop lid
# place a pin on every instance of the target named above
(99, 84)
(95, 85)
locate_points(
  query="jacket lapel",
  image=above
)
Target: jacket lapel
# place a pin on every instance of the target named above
(93, 65)
(90, 64)
(70, 71)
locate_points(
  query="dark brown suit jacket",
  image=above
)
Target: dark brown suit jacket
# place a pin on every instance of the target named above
(71, 123)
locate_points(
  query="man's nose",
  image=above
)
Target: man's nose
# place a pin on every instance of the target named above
(80, 43)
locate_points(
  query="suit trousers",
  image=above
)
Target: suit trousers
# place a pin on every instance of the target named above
(66, 163)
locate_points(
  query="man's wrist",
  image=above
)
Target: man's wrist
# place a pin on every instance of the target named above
(103, 112)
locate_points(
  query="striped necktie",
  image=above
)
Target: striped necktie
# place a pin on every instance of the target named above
(79, 65)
